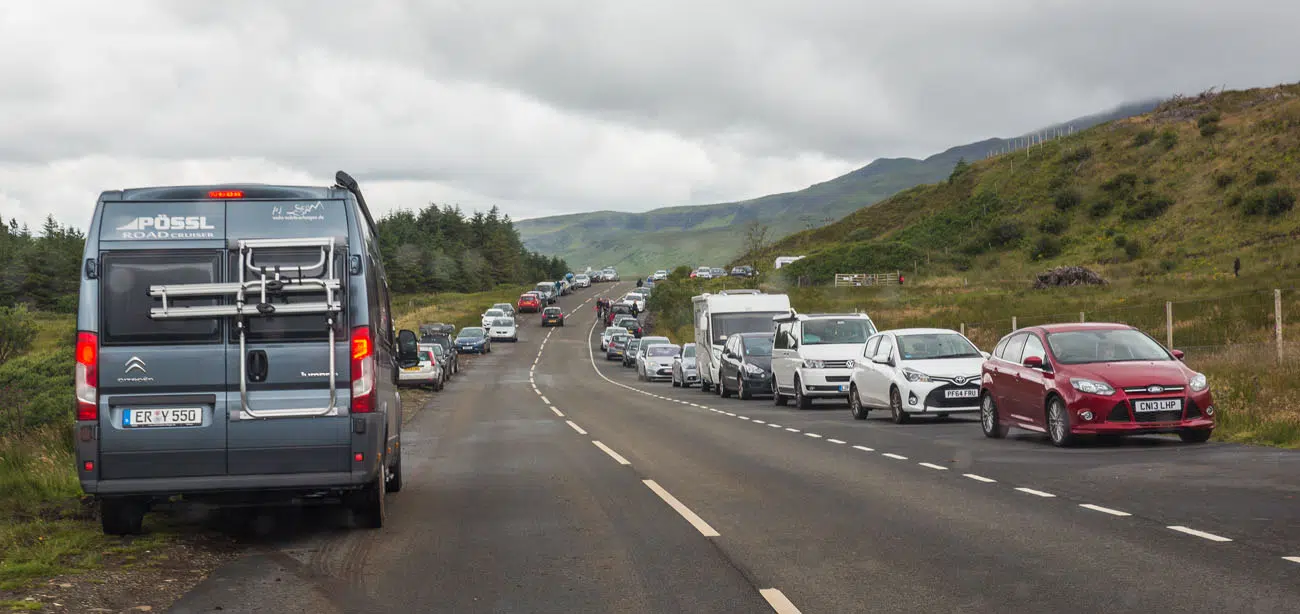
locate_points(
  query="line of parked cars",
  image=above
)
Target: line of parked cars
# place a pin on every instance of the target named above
(706, 272)
(1067, 381)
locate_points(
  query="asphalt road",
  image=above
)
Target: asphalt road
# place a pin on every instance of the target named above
(548, 480)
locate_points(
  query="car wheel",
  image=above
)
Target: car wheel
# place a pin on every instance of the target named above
(395, 474)
(800, 399)
(896, 410)
(989, 422)
(743, 393)
(722, 387)
(368, 506)
(778, 399)
(122, 516)
(1195, 435)
(855, 404)
(1058, 423)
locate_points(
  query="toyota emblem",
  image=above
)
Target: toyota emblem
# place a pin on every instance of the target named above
(1155, 389)
(960, 381)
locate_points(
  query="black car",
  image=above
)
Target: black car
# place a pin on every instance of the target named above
(619, 309)
(742, 271)
(629, 352)
(552, 316)
(632, 325)
(449, 349)
(746, 365)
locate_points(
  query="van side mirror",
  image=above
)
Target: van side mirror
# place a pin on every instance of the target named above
(408, 349)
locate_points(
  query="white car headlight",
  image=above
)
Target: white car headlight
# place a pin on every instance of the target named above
(1198, 382)
(913, 375)
(813, 364)
(1092, 386)
(753, 370)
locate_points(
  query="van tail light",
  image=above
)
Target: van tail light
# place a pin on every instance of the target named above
(87, 376)
(363, 371)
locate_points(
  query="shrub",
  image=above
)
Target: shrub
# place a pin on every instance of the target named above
(1078, 154)
(1234, 199)
(17, 332)
(1144, 137)
(1148, 206)
(1132, 249)
(39, 390)
(1265, 177)
(1120, 240)
(1223, 180)
(1047, 247)
(1121, 183)
(1209, 130)
(962, 263)
(1212, 117)
(1168, 140)
(1005, 234)
(1272, 202)
(1100, 208)
(1067, 199)
(1055, 223)
(1168, 264)
(959, 169)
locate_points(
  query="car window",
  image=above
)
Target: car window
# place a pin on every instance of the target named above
(688, 351)
(872, 344)
(437, 350)
(757, 346)
(124, 287)
(1114, 345)
(472, 331)
(932, 346)
(836, 331)
(1002, 347)
(1014, 348)
(663, 350)
(425, 356)
(503, 322)
(886, 348)
(1033, 347)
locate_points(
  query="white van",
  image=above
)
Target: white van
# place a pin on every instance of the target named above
(719, 316)
(814, 354)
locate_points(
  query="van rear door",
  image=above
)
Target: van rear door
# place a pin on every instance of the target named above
(287, 419)
(162, 384)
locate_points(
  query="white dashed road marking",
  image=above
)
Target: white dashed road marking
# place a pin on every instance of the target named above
(576, 427)
(757, 421)
(1293, 559)
(979, 478)
(778, 601)
(864, 448)
(691, 517)
(894, 456)
(813, 435)
(546, 400)
(1201, 534)
(933, 466)
(612, 454)
(835, 441)
(557, 412)
(1104, 510)
(1036, 493)
(774, 425)
(792, 430)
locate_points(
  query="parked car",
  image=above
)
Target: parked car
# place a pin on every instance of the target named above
(491, 316)
(503, 329)
(173, 399)
(632, 325)
(443, 357)
(629, 353)
(609, 333)
(815, 354)
(473, 340)
(582, 281)
(634, 298)
(746, 366)
(703, 273)
(685, 374)
(450, 359)
(546, 292)
(506, 307)
(1068, 380)
(910, 371)
(742, 271)
(717, 272)
(436, 328)
(660, 275)
(530, 302)
(644, 343)
(428, 372)
(553, 316)
(610, 274)
(617, 346)
(656, 361)
(615, 310)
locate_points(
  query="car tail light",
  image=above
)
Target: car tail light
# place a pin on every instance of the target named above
(87, 376)
(363, 371)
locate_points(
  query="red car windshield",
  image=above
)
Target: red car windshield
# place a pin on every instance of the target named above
(1116, 345)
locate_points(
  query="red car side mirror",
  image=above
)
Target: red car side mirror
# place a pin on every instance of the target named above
(1178, 354)
(1033, 362)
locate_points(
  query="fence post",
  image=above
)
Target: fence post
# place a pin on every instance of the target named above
(1277, 320)
(1081, 318)
(1013, 324)
(1169, 324)
(963, 329)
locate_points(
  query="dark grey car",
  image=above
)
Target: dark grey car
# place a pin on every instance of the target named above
(235, 344)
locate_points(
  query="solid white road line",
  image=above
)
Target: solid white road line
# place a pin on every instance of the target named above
(1201, 534)
(1293, 559)
(576, 427)
(933, 466)
(835, 441)
(979, 478)
(557, 412)
(813, 435)
(778, 601)
(1104, 510)
(894, 456)
(612, 454)
(1036, 493)
(864, 448)
(691, 517)
(546, 400)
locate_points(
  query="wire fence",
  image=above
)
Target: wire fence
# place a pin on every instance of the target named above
(1246, 319)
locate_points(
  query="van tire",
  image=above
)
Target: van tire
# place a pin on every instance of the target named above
(122, 516)
(395, 474)
(368, 503)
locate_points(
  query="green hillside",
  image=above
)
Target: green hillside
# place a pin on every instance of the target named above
(1185, 188)
(708, 234)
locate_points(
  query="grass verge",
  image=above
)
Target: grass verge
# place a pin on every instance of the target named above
(412, 310)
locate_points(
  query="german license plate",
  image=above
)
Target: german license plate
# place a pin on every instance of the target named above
(162, 416)
(961, 393)
(1155, 405)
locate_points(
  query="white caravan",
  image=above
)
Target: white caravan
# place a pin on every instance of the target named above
(719, 316)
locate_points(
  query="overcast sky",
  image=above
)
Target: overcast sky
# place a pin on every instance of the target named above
(558, 106)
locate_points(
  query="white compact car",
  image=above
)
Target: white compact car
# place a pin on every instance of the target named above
(503, 329)
(427, 373)
(655, 361)
(582, 281)
(634, 298)
(813, 355)
(684, 373)
(491, 315)
(910, 371)
(610, 332)
(508, 308)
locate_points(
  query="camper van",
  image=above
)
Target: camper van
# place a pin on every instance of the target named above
(718, 316)
(235, 345)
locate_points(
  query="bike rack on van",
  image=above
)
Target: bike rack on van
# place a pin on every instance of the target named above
(274, 280)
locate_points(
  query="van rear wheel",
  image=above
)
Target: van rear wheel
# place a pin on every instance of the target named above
(121, 516)
(368, 503)
(395, 474)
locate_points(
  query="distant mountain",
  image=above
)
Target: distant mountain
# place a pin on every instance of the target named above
(708, 234)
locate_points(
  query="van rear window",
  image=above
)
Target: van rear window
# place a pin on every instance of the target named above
(125, 302)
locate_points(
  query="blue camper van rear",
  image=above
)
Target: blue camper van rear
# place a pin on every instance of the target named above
(235, 344)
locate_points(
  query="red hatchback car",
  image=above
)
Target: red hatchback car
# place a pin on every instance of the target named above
(529, 303)
(1068, 380)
